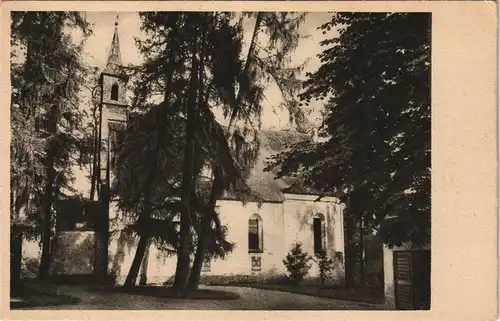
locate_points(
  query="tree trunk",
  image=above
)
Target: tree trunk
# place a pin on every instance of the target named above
(199, 259)
(194, 277)
(365, 261)
(251, 49)
(361, 252)
(94, 166)
(136, 263)
(142, 225)
(349, 257)
(104, 229)
(217, 188)
(16, 242)
(146, 214)
(182, 269)
(44, 268)
(48, 198)
(144, 267)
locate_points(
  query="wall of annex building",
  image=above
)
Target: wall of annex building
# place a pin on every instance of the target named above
(235, 216)
(299, 212)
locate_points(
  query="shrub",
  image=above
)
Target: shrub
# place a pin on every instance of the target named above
(29, 267)
(325, 266)
(339, 256)
(297, 263)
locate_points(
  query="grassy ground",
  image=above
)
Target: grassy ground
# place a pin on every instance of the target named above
(363, 295)
(44, 295)
(369, 295)
(31, 298)
(49, 294)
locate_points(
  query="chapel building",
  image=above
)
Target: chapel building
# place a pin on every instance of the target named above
(262, 235)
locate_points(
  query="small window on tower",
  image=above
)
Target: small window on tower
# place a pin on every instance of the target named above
(114, 92)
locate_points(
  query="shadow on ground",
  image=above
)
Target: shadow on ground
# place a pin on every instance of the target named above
(48, 296)
(29, 298)
(168, 292)
(368, 296)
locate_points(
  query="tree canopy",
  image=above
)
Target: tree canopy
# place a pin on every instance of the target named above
(374, 80)
(193, 66)
(46, 118)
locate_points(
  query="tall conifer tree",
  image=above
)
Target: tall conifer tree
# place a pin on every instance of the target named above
(45, 96)
(375, 81)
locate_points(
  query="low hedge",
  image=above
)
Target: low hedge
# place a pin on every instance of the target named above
(236, 279)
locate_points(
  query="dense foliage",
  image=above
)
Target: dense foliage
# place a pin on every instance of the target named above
(375, 81)
(46, 118)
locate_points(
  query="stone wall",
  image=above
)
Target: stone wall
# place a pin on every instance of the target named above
(73, 253)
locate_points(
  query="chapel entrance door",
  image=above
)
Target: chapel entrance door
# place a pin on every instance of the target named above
(412, 276)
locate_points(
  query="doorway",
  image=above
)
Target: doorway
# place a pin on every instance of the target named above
(412, 279)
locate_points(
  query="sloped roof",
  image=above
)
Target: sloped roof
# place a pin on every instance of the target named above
(262, 182)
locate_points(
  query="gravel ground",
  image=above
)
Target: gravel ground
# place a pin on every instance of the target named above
(251, 299)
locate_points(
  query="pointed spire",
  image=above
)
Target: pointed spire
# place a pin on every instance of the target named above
(114, 57)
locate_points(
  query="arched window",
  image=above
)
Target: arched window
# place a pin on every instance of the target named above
(255, 241)
(114, 92)
(319, 227)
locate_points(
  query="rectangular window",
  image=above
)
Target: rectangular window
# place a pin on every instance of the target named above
(318, 235)
(253, 235)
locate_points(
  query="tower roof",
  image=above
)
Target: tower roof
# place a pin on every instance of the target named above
(114, 57)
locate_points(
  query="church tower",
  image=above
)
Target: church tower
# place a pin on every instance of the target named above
(113, 117)
(113, 84)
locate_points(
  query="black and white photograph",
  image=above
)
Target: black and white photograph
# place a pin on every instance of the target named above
(217, 160)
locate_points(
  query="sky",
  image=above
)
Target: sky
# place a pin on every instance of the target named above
(103, 23)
